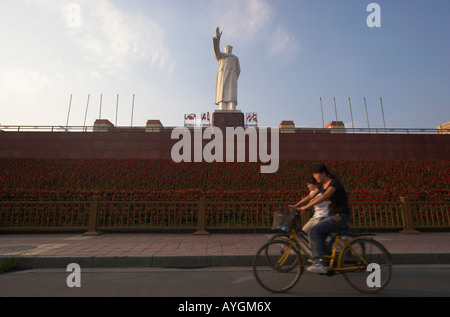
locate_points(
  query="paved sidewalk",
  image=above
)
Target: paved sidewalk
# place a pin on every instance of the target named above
(187, 250)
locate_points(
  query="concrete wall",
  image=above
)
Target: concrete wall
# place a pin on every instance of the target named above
(141, 145)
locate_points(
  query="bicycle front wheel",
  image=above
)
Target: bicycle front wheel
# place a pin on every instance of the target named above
(366, 264)
(278, 265)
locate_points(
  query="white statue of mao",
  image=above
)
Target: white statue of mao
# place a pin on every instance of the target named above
(227, 75)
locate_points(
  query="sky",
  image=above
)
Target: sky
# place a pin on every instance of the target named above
(291, 52)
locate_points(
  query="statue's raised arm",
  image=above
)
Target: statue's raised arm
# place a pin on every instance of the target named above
(216, 44)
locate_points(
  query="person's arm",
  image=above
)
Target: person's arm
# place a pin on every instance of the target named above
(328, 193)
(216, 44)
(306, 199)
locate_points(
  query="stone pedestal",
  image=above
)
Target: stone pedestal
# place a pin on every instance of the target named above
(443, 128)
(336, 127)
(287, 127)
(153, 126)
(103, 125)
(228, 119)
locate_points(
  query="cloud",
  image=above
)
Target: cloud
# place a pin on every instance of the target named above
(253, 20)
(22, 86)
(116, 40)
(111, 38)
(283, 43)
(95, 75)
(22, 81)
(239, 19)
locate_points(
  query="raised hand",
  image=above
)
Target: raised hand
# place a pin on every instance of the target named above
(218, 33)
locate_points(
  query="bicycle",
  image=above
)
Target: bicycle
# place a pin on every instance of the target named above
(364, 262)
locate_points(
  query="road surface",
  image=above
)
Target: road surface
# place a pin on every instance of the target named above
(407, 280)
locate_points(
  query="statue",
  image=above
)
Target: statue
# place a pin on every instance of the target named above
(227, 75)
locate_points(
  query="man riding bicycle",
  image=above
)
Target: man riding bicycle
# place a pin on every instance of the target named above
(338, 216)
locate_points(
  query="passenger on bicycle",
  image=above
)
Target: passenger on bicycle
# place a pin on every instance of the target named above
(338, 216)
(320, 210)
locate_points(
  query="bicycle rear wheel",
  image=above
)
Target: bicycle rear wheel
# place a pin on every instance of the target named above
(371, 274)
(278, 265)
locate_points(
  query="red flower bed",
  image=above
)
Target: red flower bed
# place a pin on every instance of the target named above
(164, 180)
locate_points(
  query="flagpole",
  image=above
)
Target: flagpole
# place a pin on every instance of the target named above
(85, 115)
(68, 114)
(117, 107)
(335, 110)
(100, 113)
(351, 113)
(132, 112)
(382, 111)
(367, 113)
(321, 109)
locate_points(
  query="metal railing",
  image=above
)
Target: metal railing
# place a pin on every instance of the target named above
(37, 216)
(201, 216)
(430, 215)
(242, 215)
(374, 131)
(373, 215)
(80, 129)
(122, 215)
(86, 129)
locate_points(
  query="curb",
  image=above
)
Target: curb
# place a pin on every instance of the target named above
(188, 261)
(421, 258)
(181, 261)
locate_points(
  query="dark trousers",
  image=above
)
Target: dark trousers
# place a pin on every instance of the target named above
(320, 231)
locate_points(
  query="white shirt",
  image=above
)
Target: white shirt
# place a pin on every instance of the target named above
(320, 210)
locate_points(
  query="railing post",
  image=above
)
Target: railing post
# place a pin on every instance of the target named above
(201, 218)
(408, 226)
(93, 218)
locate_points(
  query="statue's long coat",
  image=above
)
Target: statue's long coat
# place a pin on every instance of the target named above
(227, 75)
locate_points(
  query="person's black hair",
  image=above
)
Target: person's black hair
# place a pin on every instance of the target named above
(321, 168)
(312, 181)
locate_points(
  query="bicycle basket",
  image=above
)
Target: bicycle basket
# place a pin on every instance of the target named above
(282, 221)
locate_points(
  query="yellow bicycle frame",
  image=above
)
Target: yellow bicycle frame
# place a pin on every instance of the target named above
(332, 257)
(356, 253)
